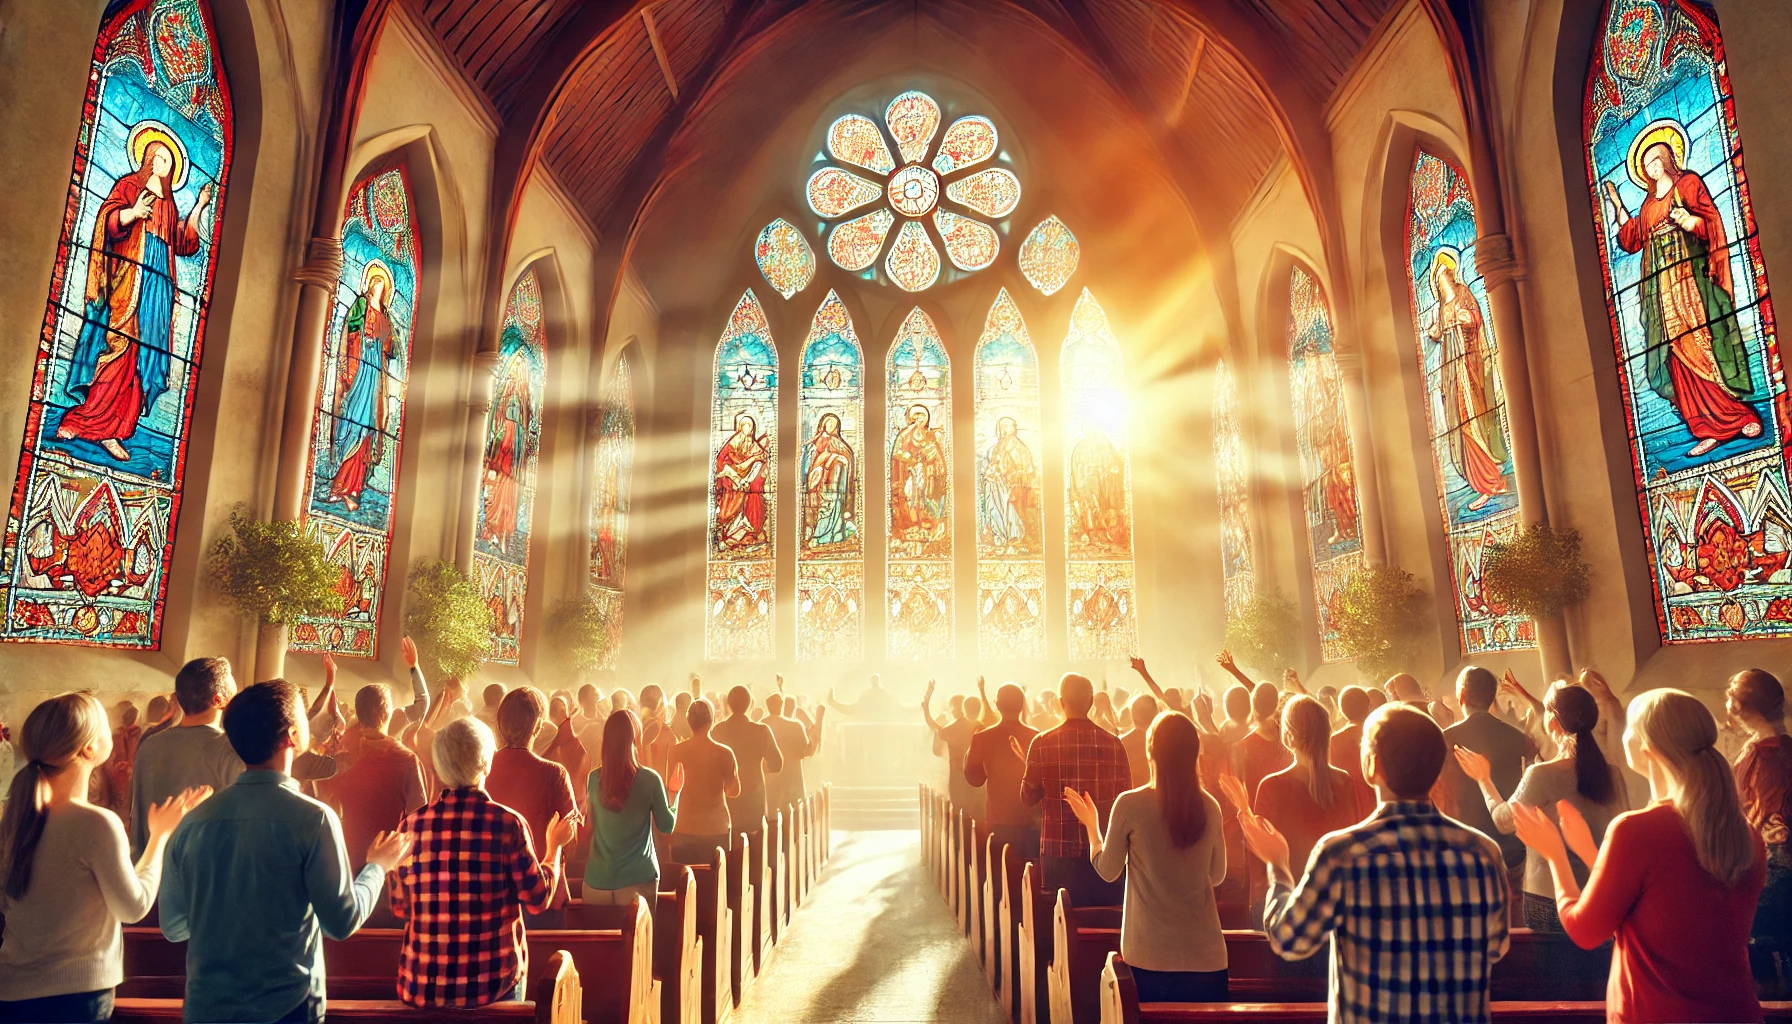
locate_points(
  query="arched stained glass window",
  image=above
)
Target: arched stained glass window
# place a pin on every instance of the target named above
(1699, 359)
(359, 419)
(1234, 490)
(918, 411)
(1322, 438)
(1098, 565)
(1010, 530)
(98, 490)
(507, 472)
(743, 488)
(1465, 405)
(612, 469)
(830, 557)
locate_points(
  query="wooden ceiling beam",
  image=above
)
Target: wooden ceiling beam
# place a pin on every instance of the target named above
(1174, 117)
(659, 52)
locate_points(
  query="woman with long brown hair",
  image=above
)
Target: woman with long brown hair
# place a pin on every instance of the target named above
(1310, 797)
(1166, 837)
(66, 880)
(628, 801)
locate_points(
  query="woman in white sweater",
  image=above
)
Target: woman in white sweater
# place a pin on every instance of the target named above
(66, 879)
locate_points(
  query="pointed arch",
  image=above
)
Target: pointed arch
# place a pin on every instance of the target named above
(918, 418)
(1232, 470)
(508, 467)
(1098, 559)
(830, 556)
(1010, 520)
(612, 478)
(358, 427)
(739, 603)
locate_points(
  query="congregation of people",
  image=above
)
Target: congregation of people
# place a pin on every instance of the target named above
(251, 824)
(1405, 833)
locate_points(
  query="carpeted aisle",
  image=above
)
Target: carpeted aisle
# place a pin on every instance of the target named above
(874, 943)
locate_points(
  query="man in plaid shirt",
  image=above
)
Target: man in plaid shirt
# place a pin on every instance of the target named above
(1077, 755)
(471, 872)
(1413, 900)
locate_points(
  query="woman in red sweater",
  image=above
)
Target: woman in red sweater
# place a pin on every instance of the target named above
(1309, 798)
(1675, 883)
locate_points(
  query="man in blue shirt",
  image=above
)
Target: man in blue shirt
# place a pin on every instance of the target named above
(256, 873)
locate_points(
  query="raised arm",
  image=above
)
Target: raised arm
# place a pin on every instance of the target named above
(1224, 660)
(418, 709)
(1138, 665)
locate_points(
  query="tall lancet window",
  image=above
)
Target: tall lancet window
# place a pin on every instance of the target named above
(1231, 467)
(359, 421)
(612, 470)
(508, 466)
(1699, 360)
(918, 411)
(1465, 405)
(743, 489)
(98, 491)
(830, 556)
(1322, 439)
(1010, 527)
(1098, 562)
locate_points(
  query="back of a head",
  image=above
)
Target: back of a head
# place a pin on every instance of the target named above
(559, 708)
(1575, 710)
(158, 708)
(1174, 747)
(739, 700)
(521, 710)
(127, 714)
(373, 706)
(200, 682)
(1238, 702)
(1404, 686)
(588, 699)
(682, 702)
(259, 717)
(463, 752)
(1756, 693)
(1077, 694)
(1680, 731)
(1307, 731)
(774, 705)
(1377, 697)
(1353, 703)
(1144, 710)
(53, 734)
(973, 709)
(616, 774)
(621, 700)
(652, 697)
(493, 694)
(1408, 749)
(1477, 687)
(702, 715)
(1264, 700)
(1011, 699)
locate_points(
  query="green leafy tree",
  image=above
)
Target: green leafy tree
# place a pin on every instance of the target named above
(578, 637)
(444, 615)
(1379, 616)
(1538, 572)
(272, 572)
(1264, 636)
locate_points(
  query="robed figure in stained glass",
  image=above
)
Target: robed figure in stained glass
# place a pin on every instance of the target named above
(359, 439)
(1098, 494)
(829, 478)
(1697, 358)
(740, 487)
(122, 361)
(920, 475)
(1331, 443)
(504, 442)
(1477, 442)
(1010, 511)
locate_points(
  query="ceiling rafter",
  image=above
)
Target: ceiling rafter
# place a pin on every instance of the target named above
(659, 52)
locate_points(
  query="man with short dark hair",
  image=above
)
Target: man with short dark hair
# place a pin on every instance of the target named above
(1347, 743)
(755, 754)
(192, 754)
(385, 782)
(492, 696)
(254, 874)
(1506, 749)
(796, 743)
(1414, 903)
(993, 764)
(1077, 755)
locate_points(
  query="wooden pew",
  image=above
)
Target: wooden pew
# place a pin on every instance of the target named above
(774, 878)
(762, 861)
(975, 868)
(1082, 938)
(744, 965)
(1035, 941)
(715, 931)
(1008, 932)
(677, 949)
(992, 884)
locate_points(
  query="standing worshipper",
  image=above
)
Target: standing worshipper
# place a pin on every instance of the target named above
(997, 761)
(796, 743)
(711, 777)
(192, 754)
(1078, 756)
(1506, 749)
(1142, 713)
(755, 753)
(953, 739)
(1354, 704)
(1310, 797)
(113, 778)
(628, 803)
(538, 790)
(384, 783)
(1757, 702)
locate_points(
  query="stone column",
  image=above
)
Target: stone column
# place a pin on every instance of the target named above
(479, 408)
(1362, 456)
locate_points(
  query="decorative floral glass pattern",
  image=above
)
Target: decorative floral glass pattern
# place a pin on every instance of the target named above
(1232, 469)
(970, 244)
(967, 143)
(1049, 255)
(743, 489)
(830, 556)
(1010, 527)
(918, 400)
(1466, 401)
(1699, 359)
(855, 244)
(1098, 563)
(1322, 439)
(98, 490)
(612, 470)
(993, 193)
(913, 117)
(784, 257)
(508, 467)
(913, 262)
(358, 429)
(835, 193)
(856, 140)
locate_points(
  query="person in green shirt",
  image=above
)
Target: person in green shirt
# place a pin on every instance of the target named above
(627, 803)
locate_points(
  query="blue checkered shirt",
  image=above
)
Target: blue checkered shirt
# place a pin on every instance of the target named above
(1415, 904)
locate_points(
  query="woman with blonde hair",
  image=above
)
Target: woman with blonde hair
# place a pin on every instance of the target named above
(1310, 797)
(1675, 883)
(66, 880)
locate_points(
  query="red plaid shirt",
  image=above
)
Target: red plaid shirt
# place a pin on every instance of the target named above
(461, 894)
(1088, 759)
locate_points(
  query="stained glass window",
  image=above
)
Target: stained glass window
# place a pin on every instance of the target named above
(1465, 401)
(784, 257)
(612, 470)
(1010, 527)
(830, 557)
(1049, 255)
(918, 411)
(359, 420)
(743, 489)
(1698, 354)
(507, 469)
(1322, 439)
(1234, 491)
(98, 490)
(1098, 565)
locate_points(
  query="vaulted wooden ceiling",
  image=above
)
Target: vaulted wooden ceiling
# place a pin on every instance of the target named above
(1192, 71)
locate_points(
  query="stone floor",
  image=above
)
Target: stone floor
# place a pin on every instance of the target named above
(874, 944)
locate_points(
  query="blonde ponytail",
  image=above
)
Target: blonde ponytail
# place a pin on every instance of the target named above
(54, 733)
(1680, 730)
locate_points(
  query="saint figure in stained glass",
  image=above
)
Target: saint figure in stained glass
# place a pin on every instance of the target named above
(1098, 489)
(830, 541)
(918, 403)
(743, 433)
(1477, 438)
(1327, 460)
(1010, 531)
(1234, 492)
(1010, 504)
(612, 465)
(741, 471)
(830, 483)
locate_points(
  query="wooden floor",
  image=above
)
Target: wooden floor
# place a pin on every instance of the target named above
(874, 945)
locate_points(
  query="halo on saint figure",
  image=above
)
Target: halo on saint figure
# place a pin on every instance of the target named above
(376, 270)
(1446, 256)
(1665, 130)
(146, 132)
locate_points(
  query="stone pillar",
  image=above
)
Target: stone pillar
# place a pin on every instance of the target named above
(1362, 456)
(479, 408)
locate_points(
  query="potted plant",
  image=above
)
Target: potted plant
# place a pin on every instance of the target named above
(448, 621)
(578, 637)
(1538, 572)
(1379, 616)
(273, 572)
(1264, 634)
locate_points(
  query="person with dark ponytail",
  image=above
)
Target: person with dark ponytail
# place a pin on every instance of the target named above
(66, 880)
(1579, 774)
